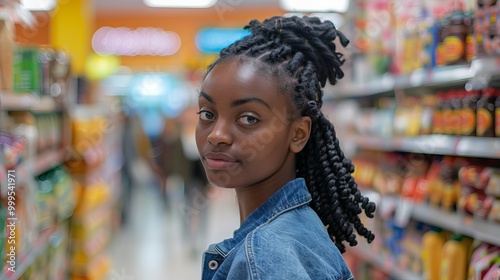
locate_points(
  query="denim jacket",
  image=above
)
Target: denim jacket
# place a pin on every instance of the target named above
(282, 239)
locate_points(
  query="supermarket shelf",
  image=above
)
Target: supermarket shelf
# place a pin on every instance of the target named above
(478, 229)
(41, 163)
(346, 89)
(386, 265)
(24, 262)
(453, 221)
(34, 166)
(26, 102)
(439, 76)
(482, 147)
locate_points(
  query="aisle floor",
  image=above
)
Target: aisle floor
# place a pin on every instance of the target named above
(155, 245)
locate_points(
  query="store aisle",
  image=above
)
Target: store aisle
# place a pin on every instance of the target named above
(154, 245)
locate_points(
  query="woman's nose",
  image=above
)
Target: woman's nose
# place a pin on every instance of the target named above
(220, 134)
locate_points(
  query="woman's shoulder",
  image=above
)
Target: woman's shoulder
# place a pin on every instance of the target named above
(296, 239)
(301, 220)
(297, 228)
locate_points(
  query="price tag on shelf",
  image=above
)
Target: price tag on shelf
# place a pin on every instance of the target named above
(403, 212)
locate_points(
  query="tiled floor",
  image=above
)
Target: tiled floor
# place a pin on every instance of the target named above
(156, 245)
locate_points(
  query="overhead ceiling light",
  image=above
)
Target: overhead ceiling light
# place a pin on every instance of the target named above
(39, 5)
(180, 3)
(339, 6)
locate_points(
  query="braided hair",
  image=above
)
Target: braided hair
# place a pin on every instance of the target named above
(300, 52)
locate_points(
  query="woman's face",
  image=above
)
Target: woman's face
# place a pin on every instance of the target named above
(244, 133)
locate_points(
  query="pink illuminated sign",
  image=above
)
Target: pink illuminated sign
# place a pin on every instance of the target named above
(124, 41)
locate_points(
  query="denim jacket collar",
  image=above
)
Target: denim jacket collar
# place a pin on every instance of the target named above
(290, 196)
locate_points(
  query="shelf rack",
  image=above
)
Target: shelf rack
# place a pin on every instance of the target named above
(40, 245)
(468, 146)
(386, 265)
(36, 165)
(452, 221)
(483, 69)
(41, 163)
(458, 223)
(26, 102)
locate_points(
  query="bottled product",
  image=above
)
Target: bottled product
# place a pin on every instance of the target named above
(454, 262)
(497, 114)
(429, 41)
(485, 27)
(455, 37)
(468, 114)
(456, 104)
(413, 114)
(435, 182)
(448, 114)
(440, 49)
(432, 250)
(470, 46)
(485, 114)
(450, 191)
(426, 117)
(437, 114)
(46, 57)
(450, 194)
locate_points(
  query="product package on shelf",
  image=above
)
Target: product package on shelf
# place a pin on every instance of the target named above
(480, 195)
(13, 148)
(41, 71)
(6, 49)
(91, 228)
(92, 220)
(88, 149)
(55, 196)
(484, 261)
(486, 29)
(41, 131)
(27, 71)
(448, 255)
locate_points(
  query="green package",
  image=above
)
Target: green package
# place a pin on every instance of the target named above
(27, 70)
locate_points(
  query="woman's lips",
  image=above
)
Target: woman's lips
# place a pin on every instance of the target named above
(218, 161)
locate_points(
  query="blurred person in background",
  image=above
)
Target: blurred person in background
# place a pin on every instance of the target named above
(174, 165)
(196, 204)
(185, 182)
(136, 148)
(261, 132)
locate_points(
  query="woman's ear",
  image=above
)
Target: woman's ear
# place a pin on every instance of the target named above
(301, 134)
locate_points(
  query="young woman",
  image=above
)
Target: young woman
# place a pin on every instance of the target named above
(261, 132)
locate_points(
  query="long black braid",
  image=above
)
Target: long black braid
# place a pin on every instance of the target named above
(302, 54)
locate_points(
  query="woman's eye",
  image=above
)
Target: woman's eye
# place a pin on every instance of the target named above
(248, 120)
(206, 115)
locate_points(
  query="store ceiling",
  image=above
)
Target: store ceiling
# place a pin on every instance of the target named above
(138, 5)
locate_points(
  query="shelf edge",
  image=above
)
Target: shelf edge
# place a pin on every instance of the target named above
(434, 144)
(26, 102)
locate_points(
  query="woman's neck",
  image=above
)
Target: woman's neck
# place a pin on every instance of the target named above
(251, 197)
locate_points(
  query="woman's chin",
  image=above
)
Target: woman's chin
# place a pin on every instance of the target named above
(221, 181)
